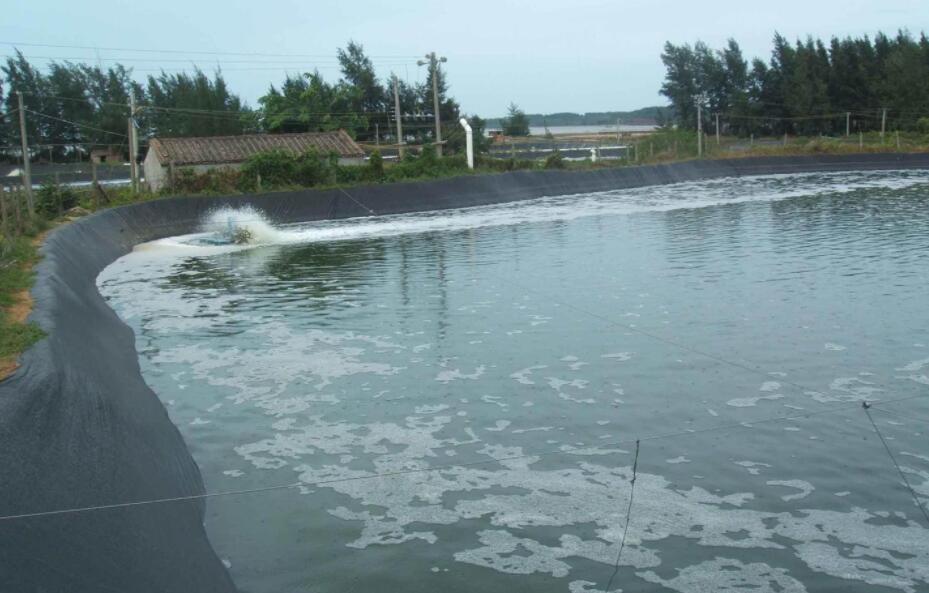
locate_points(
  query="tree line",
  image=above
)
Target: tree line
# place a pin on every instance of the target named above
(806, 87)
(71, 107)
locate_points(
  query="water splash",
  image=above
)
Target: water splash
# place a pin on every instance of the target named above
(240, 226)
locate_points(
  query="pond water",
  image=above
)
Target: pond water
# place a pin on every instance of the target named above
(456, 396)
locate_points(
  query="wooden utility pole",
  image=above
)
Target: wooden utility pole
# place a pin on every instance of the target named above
(717, 129)
(848, 124)
(398, 116)
(94, 186)
(699, 129)
(883, 123)
(27, 170)
(133, 146)
(433, 61)
(7, 234)
(377, 134)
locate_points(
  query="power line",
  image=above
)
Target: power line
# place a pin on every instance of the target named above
(561, 451)
(182, 51)
(622, 544)
(865, 406)
(74, 123)
(330, 62)
(191, 110)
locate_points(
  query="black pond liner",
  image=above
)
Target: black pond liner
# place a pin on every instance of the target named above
(79, 427)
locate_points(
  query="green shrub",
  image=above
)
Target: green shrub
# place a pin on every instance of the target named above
(311, 169)
(922, 125)
(495, 164)
(212, 181)
(276, 168)
(350, 174)
(555, 161)
(375, 168)
(53, 199)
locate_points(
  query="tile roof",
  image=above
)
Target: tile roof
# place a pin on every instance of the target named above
(235, 149)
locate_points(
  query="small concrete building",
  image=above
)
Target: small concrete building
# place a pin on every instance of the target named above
(110, 155)
(167, 155)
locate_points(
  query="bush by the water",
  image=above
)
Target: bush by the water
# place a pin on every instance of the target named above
(555, 160)
(279, 169)
(53, 199)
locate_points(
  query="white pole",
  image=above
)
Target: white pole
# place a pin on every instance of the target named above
(469, 141)
(848, 124)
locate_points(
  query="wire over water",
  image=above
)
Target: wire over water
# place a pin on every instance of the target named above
(561, 451)
(622, 544)
(866, 407)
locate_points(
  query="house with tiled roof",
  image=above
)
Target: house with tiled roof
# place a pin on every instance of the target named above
(167, 156)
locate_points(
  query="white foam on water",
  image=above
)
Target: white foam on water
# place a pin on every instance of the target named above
(662, 198)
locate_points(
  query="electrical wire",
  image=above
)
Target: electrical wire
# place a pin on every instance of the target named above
(567, 449)
(622, 544)
(74, 123)
(327, 62)
(183, 51)
(866, 407)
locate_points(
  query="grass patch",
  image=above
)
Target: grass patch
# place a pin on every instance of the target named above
(17, 256)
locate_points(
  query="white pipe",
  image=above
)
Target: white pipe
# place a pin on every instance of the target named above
(469, 141)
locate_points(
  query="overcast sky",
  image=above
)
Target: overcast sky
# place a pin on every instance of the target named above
(547, 55)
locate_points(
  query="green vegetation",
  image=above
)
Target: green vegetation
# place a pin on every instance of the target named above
(17, 254)
(516, 123)
(53, 200)
(74, 107)
(806, 88)
(555, 160)
(675, 144)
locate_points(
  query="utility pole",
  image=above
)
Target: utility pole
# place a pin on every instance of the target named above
(848, 124)
(883, 123)
(27, 171)
(717, 129)
(433, 62)
(399, 116)
(133, 146)
(699, 129)
(377, 134)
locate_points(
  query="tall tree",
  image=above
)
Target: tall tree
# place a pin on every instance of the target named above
(195, 105)
(805, 87)
(515, 123)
